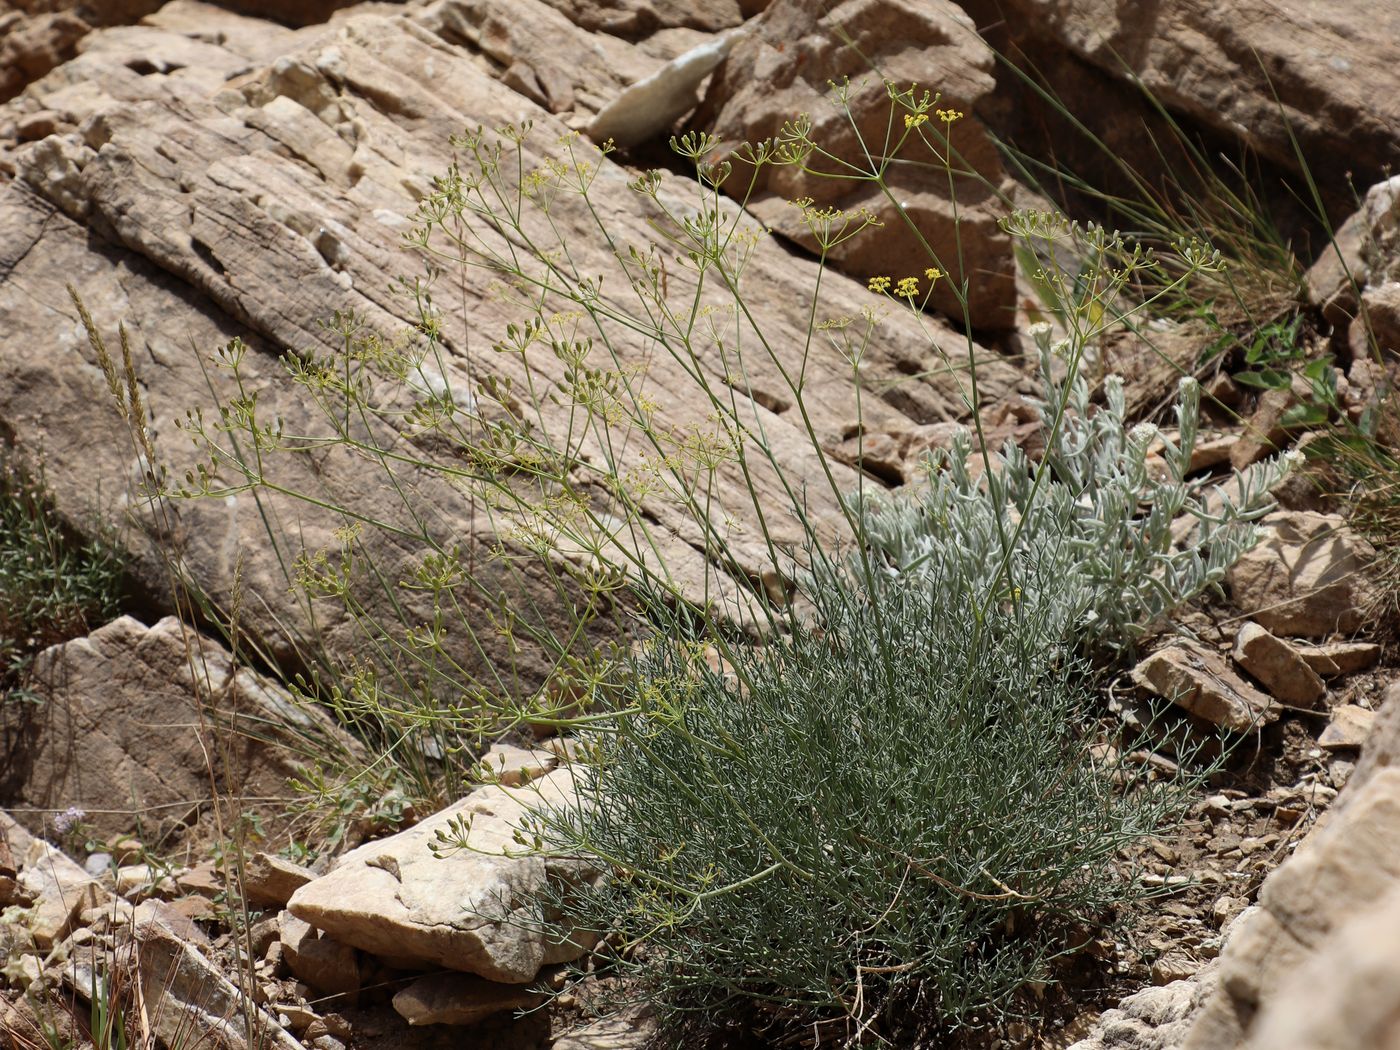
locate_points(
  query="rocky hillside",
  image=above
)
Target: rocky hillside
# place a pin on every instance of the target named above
(202, 173)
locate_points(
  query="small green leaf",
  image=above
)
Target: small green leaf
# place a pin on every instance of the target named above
(1321, 369)
(1216, 348)
(1264, 379)
(1310, 415)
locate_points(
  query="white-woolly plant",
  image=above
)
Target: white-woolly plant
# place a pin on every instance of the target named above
(1099, 540)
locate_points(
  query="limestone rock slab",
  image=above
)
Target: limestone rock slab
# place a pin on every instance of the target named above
(470, 911)
(130, 717)
(1336, 876)
(1333, 659)
(458, 998)
(326, 964)
(1201, 681)
(189, 998)
(1278, 666)
(1346, 996)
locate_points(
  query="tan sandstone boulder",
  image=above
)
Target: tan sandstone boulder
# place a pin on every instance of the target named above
(1307, 576)
(1309, 967)
(1347, 995)
(1252, 69)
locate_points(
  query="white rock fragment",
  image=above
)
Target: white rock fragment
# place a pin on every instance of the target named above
(652, 105)
(471, 910)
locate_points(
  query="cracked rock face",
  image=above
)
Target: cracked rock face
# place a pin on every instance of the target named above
(247, 180)
(784, 64)
(1258, 70)
(1313, 965)
(129, 717)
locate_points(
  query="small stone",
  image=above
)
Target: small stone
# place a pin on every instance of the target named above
(458, 998)
(1277, 666)
(1154, 761)
(1217, 807)
(332, 1024)
(1165, 852)
(324, 963)
(135, 880)
(1225, 841)
(1332, 659)
(294, 1017)
(203, 879)
(196, 909)
(98, 864)
(1222, 389)
(262, 935)
(109, 916)
(1339, 771)
(1349, 728)
(1173, 967)
(1289, 813)
(1254, 844)
(1264, 431)
(125, 849)
(1167, 882)
(1317, 795)
(153, 913)
(269, 880)
(1200, 681)
(1226, 908)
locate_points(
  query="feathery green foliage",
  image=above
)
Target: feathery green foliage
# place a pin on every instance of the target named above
(890, 818)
